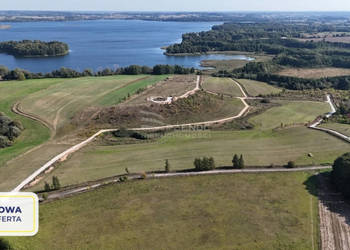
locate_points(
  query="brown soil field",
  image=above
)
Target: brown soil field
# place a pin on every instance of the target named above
(176, 85)
(196, 108)
(314, 73)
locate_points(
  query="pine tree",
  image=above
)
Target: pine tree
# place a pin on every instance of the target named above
(56, 183)
(167, 166)
(47, 187)
(241, 162)
(197, 164)
(235, 161)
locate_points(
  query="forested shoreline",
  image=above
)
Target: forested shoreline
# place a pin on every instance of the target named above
(21, 74)
(280, 40)
(36, 48)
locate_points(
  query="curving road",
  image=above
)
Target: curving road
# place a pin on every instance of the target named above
(171, 99)
(63, 156)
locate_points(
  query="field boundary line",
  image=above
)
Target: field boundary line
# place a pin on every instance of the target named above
(69, 191)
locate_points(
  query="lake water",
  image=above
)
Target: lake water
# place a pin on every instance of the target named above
(100, 44)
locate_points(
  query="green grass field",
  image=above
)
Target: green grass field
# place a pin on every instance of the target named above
(58, 104)
(255, 88)
(243, 211)
(222, 86)
(342, 128)
(260, 148)
(290, 113)
(34, 133)
(54, 99)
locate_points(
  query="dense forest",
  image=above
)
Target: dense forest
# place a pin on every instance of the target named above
(275, 39)
(281, 41)
(20, 74)
(27, 48)
(9, 130)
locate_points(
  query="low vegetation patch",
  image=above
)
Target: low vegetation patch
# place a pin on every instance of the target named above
(256, 88)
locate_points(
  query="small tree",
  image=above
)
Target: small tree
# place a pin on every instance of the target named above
(21, 76)
(211, 163)
(56, 183)
(241, 162)
(47, 187)
(235, 161)
(197, 164)
(167, 166)
(127, 171)
(205, 163)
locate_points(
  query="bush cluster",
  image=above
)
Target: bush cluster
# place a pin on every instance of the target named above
(9, 130)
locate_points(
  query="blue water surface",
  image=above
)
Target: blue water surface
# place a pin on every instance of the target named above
(106, 43)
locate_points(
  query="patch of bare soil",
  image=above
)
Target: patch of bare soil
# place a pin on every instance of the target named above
(196, 108)
(172, 86)
(334, 217)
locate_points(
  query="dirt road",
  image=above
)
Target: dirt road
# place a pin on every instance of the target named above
(93, 185)
(334, 217)
(63, 156)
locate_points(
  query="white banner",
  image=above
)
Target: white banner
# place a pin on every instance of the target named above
(19, 214)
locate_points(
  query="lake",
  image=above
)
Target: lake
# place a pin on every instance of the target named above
(106, 43)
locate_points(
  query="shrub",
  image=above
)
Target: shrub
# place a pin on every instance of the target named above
(291, 164)
(47, 187)
(56, 183)
(5, 245)
(123, 178)
(204, 164)
(9, 130)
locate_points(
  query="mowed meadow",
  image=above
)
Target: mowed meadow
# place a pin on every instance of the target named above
(241, 211)
(59, 103)
(268, 143)
(54, 101)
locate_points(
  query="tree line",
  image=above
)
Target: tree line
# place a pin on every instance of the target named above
(264, 71)
(275, 39)
(20, 74)
(36, 48)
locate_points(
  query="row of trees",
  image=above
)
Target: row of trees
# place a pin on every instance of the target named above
(54, 186)
(263, 71)
(36, 48)
(20, 74)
